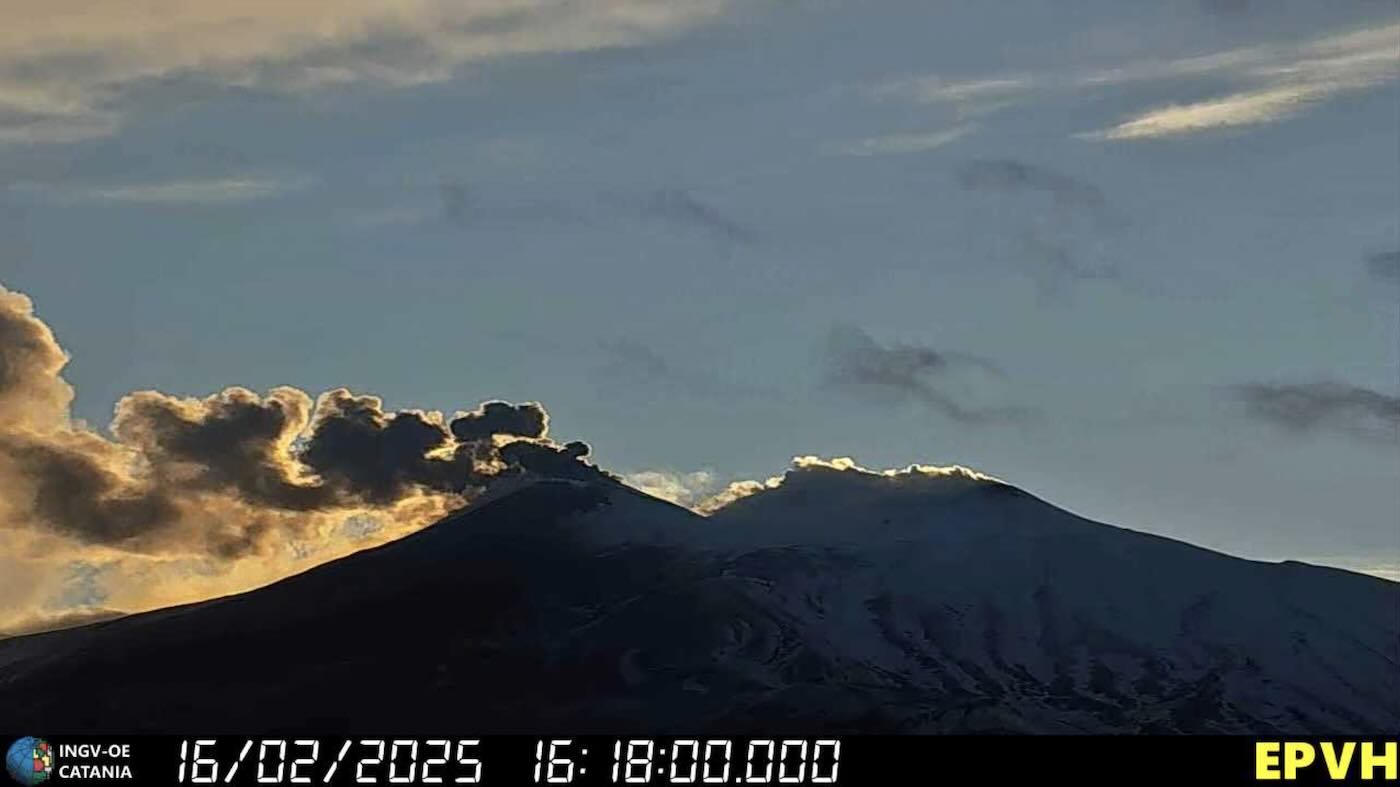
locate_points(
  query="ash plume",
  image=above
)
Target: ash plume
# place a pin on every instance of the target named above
(493, 418)
(234, 473)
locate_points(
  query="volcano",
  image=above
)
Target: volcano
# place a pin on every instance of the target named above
(835, 602)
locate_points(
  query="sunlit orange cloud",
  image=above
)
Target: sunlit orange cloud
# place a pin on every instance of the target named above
(195, 497)
(42, 578)
(64, 64)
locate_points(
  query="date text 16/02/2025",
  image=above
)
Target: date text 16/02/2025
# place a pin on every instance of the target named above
(497, 761)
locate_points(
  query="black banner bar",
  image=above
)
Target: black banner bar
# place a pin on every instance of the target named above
(593, 760)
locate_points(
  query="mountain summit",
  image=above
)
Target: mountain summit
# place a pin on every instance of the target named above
(834, 600)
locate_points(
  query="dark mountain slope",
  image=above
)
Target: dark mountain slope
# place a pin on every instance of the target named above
(588, 607)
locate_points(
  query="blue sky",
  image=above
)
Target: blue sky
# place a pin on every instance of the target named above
(1146, 251)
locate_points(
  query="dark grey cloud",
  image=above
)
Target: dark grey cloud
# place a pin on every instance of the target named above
(680, 208)
(1322, 406)
(550, 460)
(377, 456)
(72, 490)
(1384, 266)
(492, 418)
(233, 441)
(856, 362)
(223, 474)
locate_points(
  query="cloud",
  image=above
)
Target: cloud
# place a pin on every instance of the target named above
(32, 394)
(63, 129)
(969, 98)
(1266, 83)
(72, 484)
(855, 362)
(172, 192)
(938, 90)
(900, 144)
(549, 459)
(683, 489)
(67, 65)
(62, 620)
(1323, 406)
(204, 483)
(1289, 81)
(815, 482)
(1384, 266)
(234, 441)
(358, 448)
(493, 418)
(680, 208)
(1238, 109)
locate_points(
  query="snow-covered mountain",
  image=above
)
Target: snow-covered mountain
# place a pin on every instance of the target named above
(836, 600)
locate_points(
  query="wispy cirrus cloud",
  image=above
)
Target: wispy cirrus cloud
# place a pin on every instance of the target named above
(899, 144)
(192, 191)
(1284, 81)
(66, 65)
(967, 97)
(1265, 83)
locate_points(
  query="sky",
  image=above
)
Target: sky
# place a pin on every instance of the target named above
(1142, 260)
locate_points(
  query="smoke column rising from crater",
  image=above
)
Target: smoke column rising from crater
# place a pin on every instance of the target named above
(223, 487)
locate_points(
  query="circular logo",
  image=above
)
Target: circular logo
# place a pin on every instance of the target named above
(29, 760)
